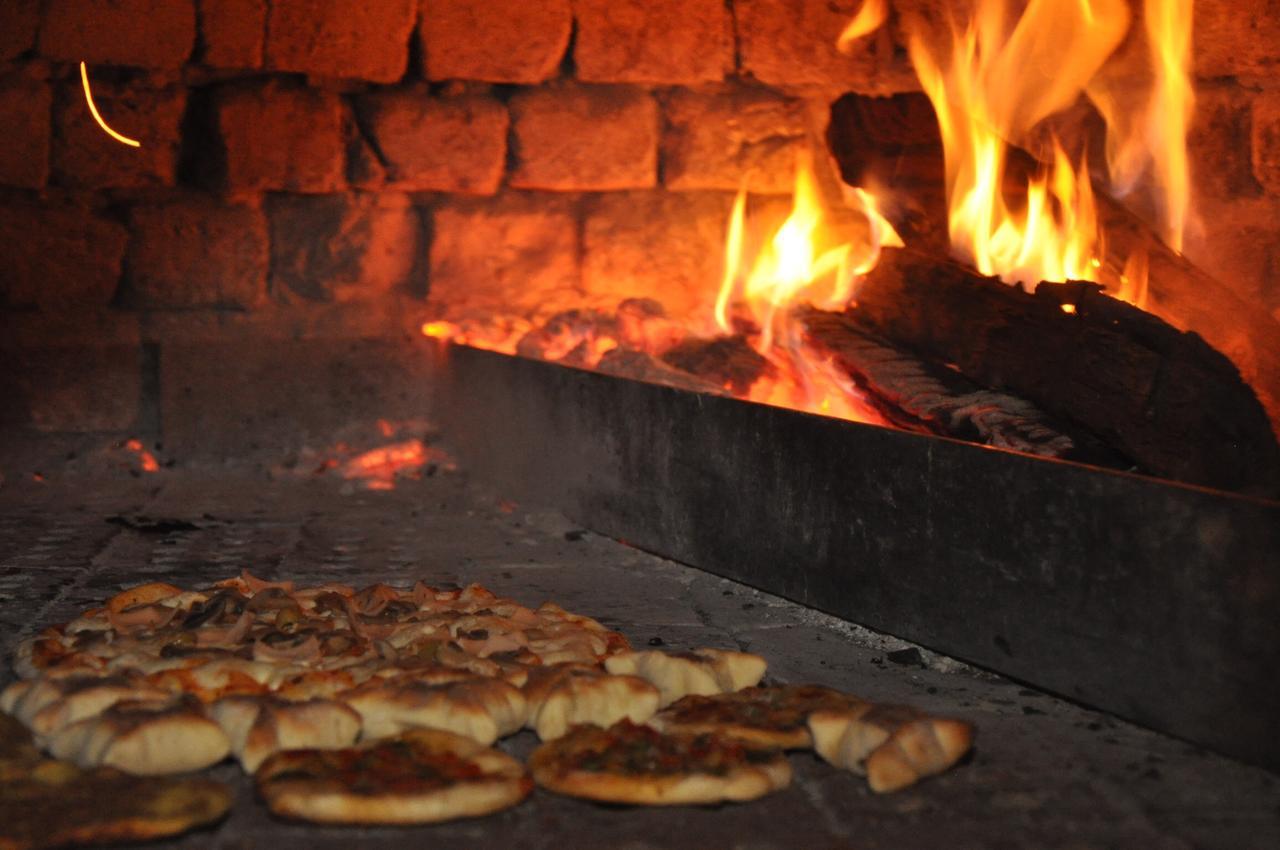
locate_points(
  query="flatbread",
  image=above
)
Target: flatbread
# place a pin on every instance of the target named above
(566, 695)
(702, 671)
(627, 763)
(893, 746)
(479, 708)
(258, 727)
(144, 739)
(764, 717)
(422, 776)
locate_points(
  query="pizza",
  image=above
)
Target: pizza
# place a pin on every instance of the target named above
(761, 716)
(422, 776)
(893, 746)
(629, 763)
(48, 803)
(379, 705)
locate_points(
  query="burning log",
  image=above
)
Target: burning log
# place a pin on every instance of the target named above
(1160, 396)
(918, 395)
(896, 140)
(726, 361)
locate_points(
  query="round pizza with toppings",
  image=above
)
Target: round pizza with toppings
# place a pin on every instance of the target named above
(629, 763)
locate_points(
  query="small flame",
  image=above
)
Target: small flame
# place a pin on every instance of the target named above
(870, 18)
(93, 109)
(146, 460)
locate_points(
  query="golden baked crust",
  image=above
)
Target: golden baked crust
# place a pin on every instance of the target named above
(566, 695)
(479, 708)
(258, 727)
(894, 746)
(702, 672)
(144, 738)
(764, 717)
(422, 776)
(627, 763)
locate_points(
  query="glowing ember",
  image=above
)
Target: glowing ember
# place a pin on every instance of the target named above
(378, 469)
(146, 460)
(93, 109)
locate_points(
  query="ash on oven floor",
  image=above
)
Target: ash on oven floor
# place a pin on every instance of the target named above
(1044, 773)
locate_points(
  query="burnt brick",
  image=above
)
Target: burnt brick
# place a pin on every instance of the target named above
(25, 107)
(140, 33)
(277, 137)
(582, 138)
(1237, 37)
(663, 42)
(19, 20)
(793, 43)
(196, 253)
(668, 246)
(360, 39)
(86, 157)
(1265, 140)
(714, 139)
(446, 144)
(73, 388)
(499, 41)
(516, 254)
(1220, 135)
(343, 247)
(233, 32)
(59, 258)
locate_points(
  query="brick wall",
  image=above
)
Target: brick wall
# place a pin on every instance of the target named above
(345, 169)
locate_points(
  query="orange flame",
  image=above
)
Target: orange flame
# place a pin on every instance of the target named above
(146, 459)
(869, 19)
(999, 82)
(93, 109)
(798, 265)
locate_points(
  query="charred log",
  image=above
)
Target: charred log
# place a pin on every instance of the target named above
(896, 140)
(727, 362)
(1158, 395)
(921, 395)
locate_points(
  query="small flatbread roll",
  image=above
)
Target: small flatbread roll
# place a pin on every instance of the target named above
(774, 717)
(145, 739)
(481, 709)
(49, 705)
(702, 671)
(894, 746)
(634, 764)
(258, 727)
(422, 776)
(568, 694)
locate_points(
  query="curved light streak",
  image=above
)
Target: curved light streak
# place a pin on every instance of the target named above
(88, 96)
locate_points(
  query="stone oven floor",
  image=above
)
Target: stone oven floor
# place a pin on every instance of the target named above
(1044, 773)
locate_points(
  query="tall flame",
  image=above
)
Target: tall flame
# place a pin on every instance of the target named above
(792, 268)
(998, 82)
(1149, 139)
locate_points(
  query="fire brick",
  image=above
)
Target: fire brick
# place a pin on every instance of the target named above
(499, 41)
(583, 138)
(196, 253)
(1237, 37)
(19, 20)
(445, 144)
(714, 139)
(59, 259)
(360, 39)
(343, 247)
(793, 43)
(232, 32)
(75, 388)
(142, 33)
(515, 254)
(662, 42)
(662, 245)
(1218, 135)
(1266, 140)
(86, 157)
(281, 138)
(25, 106)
